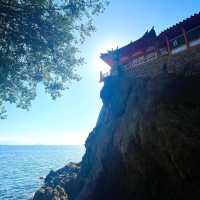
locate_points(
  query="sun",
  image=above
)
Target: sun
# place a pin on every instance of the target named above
(98, 63)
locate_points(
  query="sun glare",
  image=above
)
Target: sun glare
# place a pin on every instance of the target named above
(99, 64)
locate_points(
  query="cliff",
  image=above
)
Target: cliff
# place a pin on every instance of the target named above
(146, 143)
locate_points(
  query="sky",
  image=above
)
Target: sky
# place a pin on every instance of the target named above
(69, 120)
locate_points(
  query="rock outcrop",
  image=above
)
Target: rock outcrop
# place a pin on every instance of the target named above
(146, 143)
(58, 183)
(49, 193)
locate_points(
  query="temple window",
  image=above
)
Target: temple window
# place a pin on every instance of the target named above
(194, 34)
(177, 42)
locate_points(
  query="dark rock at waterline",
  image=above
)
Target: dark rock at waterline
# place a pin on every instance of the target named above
(62, 176)
(49, 193)
(58, 183)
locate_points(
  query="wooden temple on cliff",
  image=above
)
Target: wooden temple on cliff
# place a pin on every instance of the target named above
(174, 40)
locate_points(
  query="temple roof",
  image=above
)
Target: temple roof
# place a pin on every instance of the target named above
(187, 24)
(148, 39)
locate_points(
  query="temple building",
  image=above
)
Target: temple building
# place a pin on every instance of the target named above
(178, 38)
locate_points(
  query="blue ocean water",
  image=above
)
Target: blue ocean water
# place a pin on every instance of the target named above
(22, 166)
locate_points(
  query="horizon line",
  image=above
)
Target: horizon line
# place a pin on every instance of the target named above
(41, 144)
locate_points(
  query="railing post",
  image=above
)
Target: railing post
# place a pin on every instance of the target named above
(185, 38)
(168, 46)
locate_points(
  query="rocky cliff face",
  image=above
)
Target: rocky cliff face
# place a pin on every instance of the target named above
(146, 143)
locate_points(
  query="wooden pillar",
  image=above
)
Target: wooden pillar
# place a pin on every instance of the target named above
(185, 38)
(168, 46)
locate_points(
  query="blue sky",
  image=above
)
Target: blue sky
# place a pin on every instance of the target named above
(69, 119)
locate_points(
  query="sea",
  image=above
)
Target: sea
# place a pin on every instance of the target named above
(22, 167)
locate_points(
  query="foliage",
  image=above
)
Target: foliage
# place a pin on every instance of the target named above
(38, 44)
